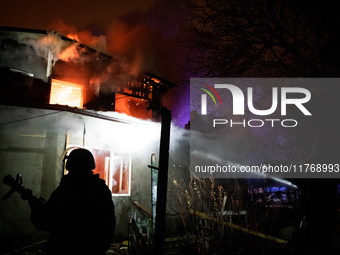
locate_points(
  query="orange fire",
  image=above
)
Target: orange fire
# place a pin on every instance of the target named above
(66, 93)
(131, 106)
(69, 53)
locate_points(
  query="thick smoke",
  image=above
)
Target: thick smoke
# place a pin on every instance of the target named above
(139, 41)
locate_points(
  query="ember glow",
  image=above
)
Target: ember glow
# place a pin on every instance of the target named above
(66, 93)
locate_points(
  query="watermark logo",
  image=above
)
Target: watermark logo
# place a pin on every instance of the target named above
(262, 127)
(238, 99)
(204, 98)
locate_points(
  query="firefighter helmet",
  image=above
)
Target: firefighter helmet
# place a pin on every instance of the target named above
(80, 160)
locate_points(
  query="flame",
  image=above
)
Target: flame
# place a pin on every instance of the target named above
(69, 53)
(84, 36)
(131, 106)
(66, 93)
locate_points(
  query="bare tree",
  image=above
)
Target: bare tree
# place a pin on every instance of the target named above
(279, 38)
(264, 38)
(273, 38)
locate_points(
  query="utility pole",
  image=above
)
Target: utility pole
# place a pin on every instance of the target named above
(162, 185)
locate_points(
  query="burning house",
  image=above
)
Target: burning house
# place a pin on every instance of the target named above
(57, 93)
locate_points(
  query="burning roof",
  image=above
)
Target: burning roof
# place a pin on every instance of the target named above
(45, 67)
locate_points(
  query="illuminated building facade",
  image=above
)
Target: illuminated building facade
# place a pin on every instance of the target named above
(56, 93)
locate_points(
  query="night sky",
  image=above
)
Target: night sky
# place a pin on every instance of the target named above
(144, 30)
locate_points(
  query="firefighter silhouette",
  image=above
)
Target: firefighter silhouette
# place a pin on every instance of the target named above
(79, 215)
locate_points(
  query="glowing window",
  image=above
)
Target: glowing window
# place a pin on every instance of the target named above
(66, 93)
(119, 177)
(114, 169)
